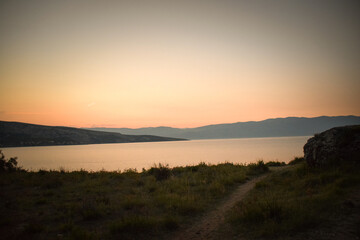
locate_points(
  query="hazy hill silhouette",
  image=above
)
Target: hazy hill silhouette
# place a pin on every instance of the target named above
(16, 134)
(278, 127)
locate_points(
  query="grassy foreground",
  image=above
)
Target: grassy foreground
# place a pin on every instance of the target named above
(112, 205)
(293, 201)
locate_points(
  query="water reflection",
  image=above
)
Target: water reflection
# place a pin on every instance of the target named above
(144, 155)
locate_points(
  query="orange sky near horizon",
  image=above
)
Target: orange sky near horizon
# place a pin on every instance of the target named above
(179, 64)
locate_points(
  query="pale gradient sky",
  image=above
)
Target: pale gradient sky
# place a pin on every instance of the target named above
(177, 63)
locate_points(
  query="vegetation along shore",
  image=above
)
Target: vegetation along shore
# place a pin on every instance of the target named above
(112, 205)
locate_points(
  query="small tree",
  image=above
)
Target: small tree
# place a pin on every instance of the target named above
(8, 165)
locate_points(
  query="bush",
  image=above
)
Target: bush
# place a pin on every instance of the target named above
(296, 160)
(258, 168)
(160, 172)
(8, 165)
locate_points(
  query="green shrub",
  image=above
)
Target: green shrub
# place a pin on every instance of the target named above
(160, 172)
(8, 165)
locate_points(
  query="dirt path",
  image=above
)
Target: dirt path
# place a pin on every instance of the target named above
(210, 222)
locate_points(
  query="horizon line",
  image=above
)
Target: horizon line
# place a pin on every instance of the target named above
(94, 126)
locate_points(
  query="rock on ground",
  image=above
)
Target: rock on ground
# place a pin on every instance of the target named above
(334, 146)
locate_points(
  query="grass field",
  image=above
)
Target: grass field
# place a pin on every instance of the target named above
(113, 205)
(294, 200)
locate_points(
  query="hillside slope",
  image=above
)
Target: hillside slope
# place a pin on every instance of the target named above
(16, 134)
(279, 127)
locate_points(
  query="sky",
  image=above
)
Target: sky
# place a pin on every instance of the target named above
(177, 63)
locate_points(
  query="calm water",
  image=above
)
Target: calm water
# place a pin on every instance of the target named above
(144, 155)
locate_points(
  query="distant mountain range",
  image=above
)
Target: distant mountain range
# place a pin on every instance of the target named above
(278, 127)
(16, 134)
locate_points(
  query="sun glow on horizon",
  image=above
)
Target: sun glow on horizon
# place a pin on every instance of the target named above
(180, 64)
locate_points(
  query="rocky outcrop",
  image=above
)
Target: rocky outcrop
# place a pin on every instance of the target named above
(334, 146)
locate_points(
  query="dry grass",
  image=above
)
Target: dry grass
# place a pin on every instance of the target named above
(112, 205)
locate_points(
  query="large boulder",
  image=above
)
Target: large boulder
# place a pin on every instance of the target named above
(334, 146)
